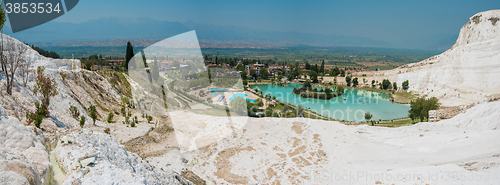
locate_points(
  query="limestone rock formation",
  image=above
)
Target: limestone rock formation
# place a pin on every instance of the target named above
(23, 158)
(464, 74)
(98, 158)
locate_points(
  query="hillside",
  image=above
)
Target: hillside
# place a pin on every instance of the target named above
(464, 74)
(25, 149)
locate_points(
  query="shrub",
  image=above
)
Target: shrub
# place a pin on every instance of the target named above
(123, 111)
(150, 118)
(405, 84)
(87, 65)
(368, 116)
(340, 89)
(348, 80)
(135, 119)
(46, 86)
(420, 108)
(355, 82)
(36, 117)
(386, 84)
(110, 117)
(75, 113)
(132, 124)
(82, 121)
(93, 113)
(307, 84)
(238, 105)
(107, 130)
(63, 75)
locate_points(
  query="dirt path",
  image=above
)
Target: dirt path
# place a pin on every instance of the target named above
(155, 143)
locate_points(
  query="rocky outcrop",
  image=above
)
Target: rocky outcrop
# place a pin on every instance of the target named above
(97, 158)
(76, 87)
(23, 158)
(464, 74)
(482, 26)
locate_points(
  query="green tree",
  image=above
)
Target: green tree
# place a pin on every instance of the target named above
(244, 75)
(313, 76)
(82, 121)
(395, 86)
(348, 80)
(279, 78)
(368, 116)
(307, 84)
(46, 86)
(129, 54)
(263, 73)
(268, 112)
(176, 64)
(93, 113)
(322, 68)
(405, 84)
(328, 93)
(88, 65)
(240, 67)
(259, 102)
(253, 73)
(340, 89)
(238, 105)
(2, 16)
(355, 82)
(373, 83)
(110, 117)
(420, 108)
(386, 83)
(335, 71)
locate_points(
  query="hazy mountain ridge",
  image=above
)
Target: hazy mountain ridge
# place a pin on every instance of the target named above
(113, 28)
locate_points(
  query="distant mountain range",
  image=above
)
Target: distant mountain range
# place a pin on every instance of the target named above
(113, 31)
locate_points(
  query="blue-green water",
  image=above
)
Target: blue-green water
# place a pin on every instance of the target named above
(241, 95)
(353, 108)
(216, 94)
(218, 89)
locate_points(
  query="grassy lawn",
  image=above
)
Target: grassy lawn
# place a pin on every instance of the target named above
(397, 123)
(405, 96)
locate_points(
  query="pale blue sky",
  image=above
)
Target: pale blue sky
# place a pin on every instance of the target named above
(387, 20)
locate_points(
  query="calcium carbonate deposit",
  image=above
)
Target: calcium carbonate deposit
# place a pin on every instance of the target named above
(464, 74)
(201, 149)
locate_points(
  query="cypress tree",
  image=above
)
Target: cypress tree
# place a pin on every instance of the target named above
(322, 70)
(129, 54)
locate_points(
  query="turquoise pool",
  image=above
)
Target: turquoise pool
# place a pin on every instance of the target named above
(241, 95)
(353, 108)
(218, 90)
(216, 94)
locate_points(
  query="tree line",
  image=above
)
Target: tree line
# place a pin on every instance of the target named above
(45, 53)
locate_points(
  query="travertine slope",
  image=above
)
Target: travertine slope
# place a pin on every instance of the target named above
(466, 73)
